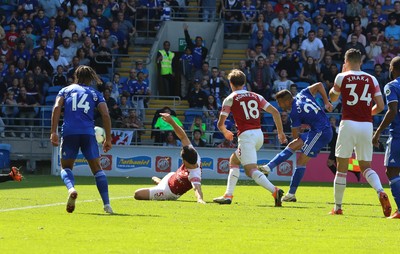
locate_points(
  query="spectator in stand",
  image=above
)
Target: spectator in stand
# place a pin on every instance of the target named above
(102, 21)
(53, 25)
(29, 6)
(93, 36)
(310, 71)
(41, 61)
(72, 28)
(88, 47)
(20, 70)
(325, 66)
(208, 8)
(335, 46)
(32, 88)
(141, 68)
(80, 21)
(171, 140)
(199, 52)
(290, 63)
(261, 79)
(197, 96)
(393, 47)
(328, 78)
(23, 21)
(48, 51)
(9, 75)
(21, 53)
(126, 26)
(356, 45)
(57, 60)
(260, 24)
(42, 80)
(112, 41)
(75, 64)
(75, 42)
(260, 39)
(353, 9)
(360, 37)
(210, 111)
(11, 36)
(40, 22)
(280, 21)
(186, 62)
(340, 22)
(132, 122)
(165, 127)
(300, 37)
(392, 30)
(124, 105)
(375, 22)
(312, 47)
(165, 58)
(80, 5)
(113, 109)
(62, 20)
(246, 70)
(198, 124)
(231, 11)
(82, 58)
(301, 10)
(119, 34)
(380, 59)
(10, 111)
(318, 23)
(373, 49)
(204, 75)
(59, 79)
(50, 7)
(248, 17)
(301, 22)
(98, 30)
(282, 37)
(26, 104)
(7, 52)
(117, 87)
(139, 89)
(103, 58)
(282, 83)
(197, 141)
(287, 129)
(381, 77)
(218, 86)
(28, 42)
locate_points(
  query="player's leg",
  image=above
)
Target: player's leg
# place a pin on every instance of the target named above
(233, 178)
(148, 193)
(90, 150)
(364, 151)
(251, 142)
(14, 175)
(393, 173)
(69, 150)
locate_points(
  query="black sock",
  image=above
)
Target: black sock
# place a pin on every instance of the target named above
(333, 168)
(5, 178)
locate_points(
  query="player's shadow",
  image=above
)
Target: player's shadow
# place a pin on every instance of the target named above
(122, 215)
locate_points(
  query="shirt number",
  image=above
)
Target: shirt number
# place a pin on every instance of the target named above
(365, 96)
(250, 109)
(82, 103)
(311, 106)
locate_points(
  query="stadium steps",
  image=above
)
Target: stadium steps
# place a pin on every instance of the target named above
(153, 106)
(230, 58)
(135, 52)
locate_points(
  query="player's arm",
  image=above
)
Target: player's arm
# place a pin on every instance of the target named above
(319, 88)
(198, 193)
(278, 122)
(379, 105)
(334, 93)
(295, 132)
(178, 130)
(55, 118)
(105, 116)
(222, 128)
(387, 119)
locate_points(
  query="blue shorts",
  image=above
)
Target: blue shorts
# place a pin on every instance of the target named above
(87, 143)
(392, 153)
(315, 141)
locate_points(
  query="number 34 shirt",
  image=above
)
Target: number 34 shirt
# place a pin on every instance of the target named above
(80, 103)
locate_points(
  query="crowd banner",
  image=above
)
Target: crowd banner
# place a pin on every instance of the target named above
(121, 137)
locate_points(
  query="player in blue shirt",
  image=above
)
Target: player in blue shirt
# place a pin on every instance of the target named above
(303, 109)
(392, 118)
(80, 101)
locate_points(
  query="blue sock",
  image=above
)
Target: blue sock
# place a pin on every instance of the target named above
(280, 157)
(296, 179)
(102, 186)
(395, 188)
(68, 178)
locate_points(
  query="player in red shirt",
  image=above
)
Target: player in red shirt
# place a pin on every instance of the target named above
(245, 107)
(358, 90)
(188, 175)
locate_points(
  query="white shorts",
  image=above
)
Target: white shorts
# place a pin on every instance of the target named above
(250, 142)
(357, 136)
(162, 191)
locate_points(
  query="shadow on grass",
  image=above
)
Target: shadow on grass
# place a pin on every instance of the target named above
(122, 215)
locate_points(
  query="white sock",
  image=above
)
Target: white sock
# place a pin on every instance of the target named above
(373, 179)
(71, 190)
(262, 180)
(339, 185)
(233, 177)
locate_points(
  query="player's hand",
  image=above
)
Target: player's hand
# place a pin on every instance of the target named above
(185, 26)
(107, 145)
(375, 138)
(329, 107)
(54, 139)
(282, 138)
(228, 135)
(167, 117)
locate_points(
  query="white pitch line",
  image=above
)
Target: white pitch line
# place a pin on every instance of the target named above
(56, 204)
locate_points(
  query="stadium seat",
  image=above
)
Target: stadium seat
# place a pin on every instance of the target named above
(368, 66)
(123, 80)
(268, 122)
(50, 99)
(190, 114)
(53, 90)
(275, 104)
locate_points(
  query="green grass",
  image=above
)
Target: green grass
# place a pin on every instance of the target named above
(249, 225)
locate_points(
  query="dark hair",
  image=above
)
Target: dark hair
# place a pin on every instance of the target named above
(85, 75)
(283, 94)
(189, 154)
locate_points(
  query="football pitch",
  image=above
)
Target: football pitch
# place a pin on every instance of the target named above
(34, 220)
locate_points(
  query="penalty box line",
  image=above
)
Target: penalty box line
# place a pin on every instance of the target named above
(56, 204)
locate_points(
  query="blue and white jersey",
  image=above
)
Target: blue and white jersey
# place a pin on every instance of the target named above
(79, 106)
(305, 110)
(392, 93)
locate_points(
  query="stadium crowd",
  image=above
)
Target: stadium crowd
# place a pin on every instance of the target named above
(292, 44)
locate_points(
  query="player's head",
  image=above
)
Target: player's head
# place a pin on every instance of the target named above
(353, 57)
(237, 79)
(189, 154)
(394, 69)
(284, 99)
(85, 75)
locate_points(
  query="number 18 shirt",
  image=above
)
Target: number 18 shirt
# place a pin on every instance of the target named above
(357, 89)
(245, 107)
(79, 105)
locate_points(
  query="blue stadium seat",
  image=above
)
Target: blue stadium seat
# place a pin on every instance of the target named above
(53, 90)
(268, 122)
(50, 99)
(123, 80)
(301, 85)
(190, 115)
(275, 104)
(368, 66)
